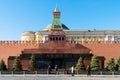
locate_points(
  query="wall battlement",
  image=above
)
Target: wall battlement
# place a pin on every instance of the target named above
(17, 42)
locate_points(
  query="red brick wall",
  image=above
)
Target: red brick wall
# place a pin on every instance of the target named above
(10, 64)
(87, 63)
(106, 49)
(24, 63)
(7, 50)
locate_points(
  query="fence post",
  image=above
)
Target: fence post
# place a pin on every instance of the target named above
(100, 72)
(113, 73)
(36, 72)
(24, 73)
(77, 72)
(0, 72)
(12, 73)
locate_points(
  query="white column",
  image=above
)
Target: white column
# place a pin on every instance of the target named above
(113, 38)
(106, 38)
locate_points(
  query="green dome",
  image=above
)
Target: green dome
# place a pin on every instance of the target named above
(64, 27)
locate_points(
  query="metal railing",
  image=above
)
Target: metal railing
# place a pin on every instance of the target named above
(60, 71)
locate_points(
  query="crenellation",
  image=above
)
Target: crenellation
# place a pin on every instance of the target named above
(19, 42)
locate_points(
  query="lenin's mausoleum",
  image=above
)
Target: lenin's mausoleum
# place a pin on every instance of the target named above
(58, 45)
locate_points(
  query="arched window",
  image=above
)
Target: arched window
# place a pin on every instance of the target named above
(53, 38)
(50, 39)
(62, 39)
(56, 38)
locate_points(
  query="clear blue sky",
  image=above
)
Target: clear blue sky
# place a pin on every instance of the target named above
(17, 16)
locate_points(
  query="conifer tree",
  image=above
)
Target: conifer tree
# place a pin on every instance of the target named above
(80, 64)
(17, 65)
(111, 64)
(118, 64)
(2, 65)
(94, 66)
(32, 63)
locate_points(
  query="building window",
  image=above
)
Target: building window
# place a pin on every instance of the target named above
(69, 39)
(97, 38)
(117, 38)
(86, 38)
(109, 38)
(80, 38)
(75, 39)
(53, 38)
(56, 38)
(46, 38)
(50, 39)
(92, 38)
(62, 38)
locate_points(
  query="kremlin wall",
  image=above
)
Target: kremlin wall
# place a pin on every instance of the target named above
(106, 49)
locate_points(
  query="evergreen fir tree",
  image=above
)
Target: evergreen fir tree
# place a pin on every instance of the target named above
(2, 65)
(17, 65)
(111, 64)
(118, 64)
(94, 66)
(32, 63)
(80, 64)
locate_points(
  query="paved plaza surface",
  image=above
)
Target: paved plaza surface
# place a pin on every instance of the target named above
(59, 77)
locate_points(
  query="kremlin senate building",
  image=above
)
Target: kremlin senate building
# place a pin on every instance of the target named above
(58, 45)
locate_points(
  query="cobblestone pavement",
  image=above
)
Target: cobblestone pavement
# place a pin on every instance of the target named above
(58, 77)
